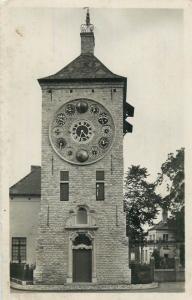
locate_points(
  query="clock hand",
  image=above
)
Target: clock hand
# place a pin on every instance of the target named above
(81, 135)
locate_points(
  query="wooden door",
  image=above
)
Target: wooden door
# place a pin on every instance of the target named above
(82, 265)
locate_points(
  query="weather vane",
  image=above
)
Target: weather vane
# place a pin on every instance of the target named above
(88, 27)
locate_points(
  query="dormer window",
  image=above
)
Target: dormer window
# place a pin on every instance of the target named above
(82, 216)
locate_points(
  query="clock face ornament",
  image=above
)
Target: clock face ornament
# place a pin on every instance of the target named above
(82, 131)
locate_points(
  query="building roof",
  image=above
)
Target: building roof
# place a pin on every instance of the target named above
(30, 185)
(84, 67)
(168, 225)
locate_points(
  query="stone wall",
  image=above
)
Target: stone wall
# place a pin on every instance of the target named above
(111, 245)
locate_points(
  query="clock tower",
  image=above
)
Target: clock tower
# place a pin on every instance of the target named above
(82, 227)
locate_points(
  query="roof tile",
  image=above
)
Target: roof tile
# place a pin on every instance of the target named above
(85, 66)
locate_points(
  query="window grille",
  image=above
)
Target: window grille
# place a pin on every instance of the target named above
(19, 245)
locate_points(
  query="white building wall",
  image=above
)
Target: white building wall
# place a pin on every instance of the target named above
(156, 235)
(23, 223)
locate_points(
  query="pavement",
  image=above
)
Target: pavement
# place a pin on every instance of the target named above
(163, 287)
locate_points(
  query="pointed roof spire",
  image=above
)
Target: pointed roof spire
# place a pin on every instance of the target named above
(87, 35)
(88, 27)
(87, 17)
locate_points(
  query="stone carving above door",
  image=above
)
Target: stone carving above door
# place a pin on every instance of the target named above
(81, 217)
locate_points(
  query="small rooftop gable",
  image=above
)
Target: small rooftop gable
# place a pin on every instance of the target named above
(30, 185)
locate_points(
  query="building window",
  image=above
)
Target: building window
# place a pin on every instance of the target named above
(145, 255)
(132, 256)
(165, 237)
(19, 249)
(100, 185)
(64, 186)
(82, 216)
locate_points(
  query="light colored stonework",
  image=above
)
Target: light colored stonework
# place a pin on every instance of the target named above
(110, 245)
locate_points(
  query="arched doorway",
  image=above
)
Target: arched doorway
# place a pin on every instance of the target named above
(82, 258)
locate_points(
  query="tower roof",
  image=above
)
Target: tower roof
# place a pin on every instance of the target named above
(84, 67)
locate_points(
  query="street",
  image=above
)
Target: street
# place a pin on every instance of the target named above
(164, 287)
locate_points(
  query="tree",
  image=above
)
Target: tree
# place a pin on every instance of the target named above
(141, 202)
(173, 170)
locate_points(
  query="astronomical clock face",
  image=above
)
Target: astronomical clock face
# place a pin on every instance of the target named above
(82, 131)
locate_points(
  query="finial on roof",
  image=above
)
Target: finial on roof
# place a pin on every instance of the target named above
(88, 27)
(87, 17)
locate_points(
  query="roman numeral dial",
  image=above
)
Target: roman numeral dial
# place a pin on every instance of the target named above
(82, 131)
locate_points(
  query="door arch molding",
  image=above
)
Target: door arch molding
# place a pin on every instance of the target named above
(72, 238)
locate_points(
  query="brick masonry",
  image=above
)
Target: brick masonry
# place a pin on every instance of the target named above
(110, 242)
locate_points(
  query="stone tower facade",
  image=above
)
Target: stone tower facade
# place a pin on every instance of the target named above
(82, 229)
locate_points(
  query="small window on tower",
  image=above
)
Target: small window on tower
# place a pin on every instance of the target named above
(64, 176)
(64, 186)
(100, 176)
(82, 216)
(100, 185)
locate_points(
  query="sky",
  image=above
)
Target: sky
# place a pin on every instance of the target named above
(144, 45)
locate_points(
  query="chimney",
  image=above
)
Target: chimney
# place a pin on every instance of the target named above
(164, 214)
(87, 36)
(33, 168)
(87, 43)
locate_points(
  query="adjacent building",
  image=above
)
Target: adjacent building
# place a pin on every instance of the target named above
(25, 198)
(162, 238)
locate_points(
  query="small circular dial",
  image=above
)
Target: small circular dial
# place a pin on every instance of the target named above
(60, 119)
(103, 142)
(57, 131)
(106, 130)
(61, 143)
(94, 151)
(103, 118)
(94, 109)
(70, 109)
(82, 131)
